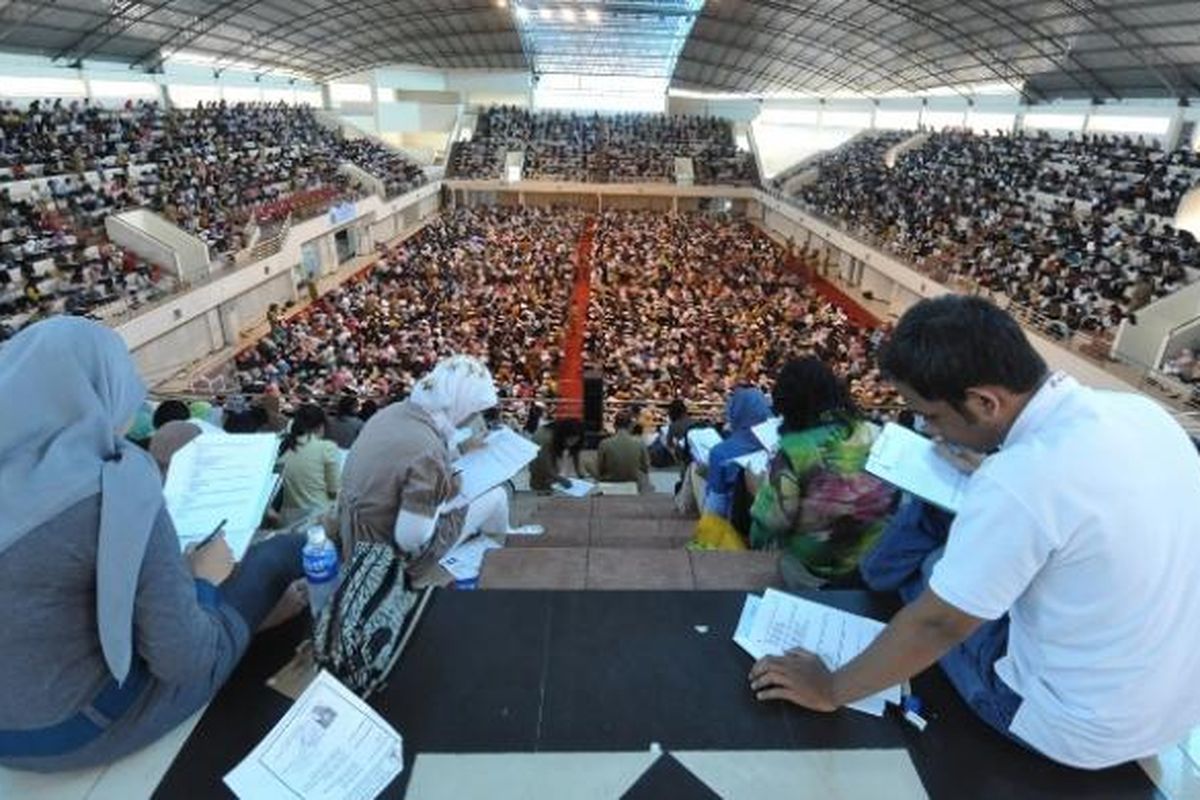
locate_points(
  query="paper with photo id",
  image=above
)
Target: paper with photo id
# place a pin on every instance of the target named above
(779, 622)
(910, 461)
(329, 746)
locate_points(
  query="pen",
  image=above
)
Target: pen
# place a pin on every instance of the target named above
(216, 532)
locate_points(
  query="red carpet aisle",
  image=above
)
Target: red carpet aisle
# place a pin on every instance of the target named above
(570, 377)
(857, 314)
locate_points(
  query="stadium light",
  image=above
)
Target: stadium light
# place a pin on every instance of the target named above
(568, 15)
(545, 13)
(522, 13)
(592, 15)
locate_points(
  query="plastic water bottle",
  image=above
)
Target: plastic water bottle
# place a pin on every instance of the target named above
(320, 559)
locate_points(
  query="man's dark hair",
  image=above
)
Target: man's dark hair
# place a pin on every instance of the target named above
(677, 410)
(943, 346)
(347, 405)
(808, 393)
(170, 411)
(623, 420)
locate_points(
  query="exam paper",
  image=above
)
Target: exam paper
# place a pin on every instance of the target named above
(466, 558)
(701, 441)
(329, 746)
(578, 488)
(910, 461)
(780, 622)
(502, 456)
(757, 462)
(768, 433)
(219, 477)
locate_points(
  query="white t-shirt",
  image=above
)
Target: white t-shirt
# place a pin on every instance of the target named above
(1085, 528)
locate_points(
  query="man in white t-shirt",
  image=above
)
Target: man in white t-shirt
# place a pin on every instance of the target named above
(1065, 604)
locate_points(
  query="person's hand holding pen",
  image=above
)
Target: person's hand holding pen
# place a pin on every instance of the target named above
(212, 559)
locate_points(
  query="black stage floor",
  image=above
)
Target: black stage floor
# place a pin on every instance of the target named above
(528, 671)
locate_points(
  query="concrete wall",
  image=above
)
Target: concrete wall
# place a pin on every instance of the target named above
(160, 242)
(1145, 343)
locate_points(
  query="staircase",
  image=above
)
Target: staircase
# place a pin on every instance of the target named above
(617, 542)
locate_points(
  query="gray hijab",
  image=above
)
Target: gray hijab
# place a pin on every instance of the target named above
(67, 389)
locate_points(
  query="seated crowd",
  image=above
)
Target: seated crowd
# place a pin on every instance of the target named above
(492, 283)
(619, 148)
(690, 305)
(1047, 222)
(211, 170)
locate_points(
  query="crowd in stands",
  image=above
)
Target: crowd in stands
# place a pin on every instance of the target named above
(1071, 229)
(602, 149)
(66, 165)
(491, 283)
(1185, 366)
(689, 305)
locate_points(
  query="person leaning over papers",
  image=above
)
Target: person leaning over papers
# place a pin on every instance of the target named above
(1080, 526)
(398, 484)
(111, 636)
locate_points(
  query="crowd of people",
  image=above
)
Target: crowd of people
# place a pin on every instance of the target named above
(212, 170)
(494, 283)
(619, 148)
(682, 306)
(1041, 220)
(691, 305)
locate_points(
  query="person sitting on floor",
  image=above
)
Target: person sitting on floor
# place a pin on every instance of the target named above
(623, 457)
(818, 503)
(343, 429)
(311, 468)
(112, 636)
(747, 407)
(398, 484)
(1061, 605)
(554, 440)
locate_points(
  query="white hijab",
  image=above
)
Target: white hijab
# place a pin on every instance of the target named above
(455, 389)
(67, 389)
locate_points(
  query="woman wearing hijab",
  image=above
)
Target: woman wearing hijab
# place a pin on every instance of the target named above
(398, 484)
(747, 407)
(112, 637)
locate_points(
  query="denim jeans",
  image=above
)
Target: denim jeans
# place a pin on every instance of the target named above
(902, 561)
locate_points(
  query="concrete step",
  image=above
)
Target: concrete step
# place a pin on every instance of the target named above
(572, 531)
(604, 568)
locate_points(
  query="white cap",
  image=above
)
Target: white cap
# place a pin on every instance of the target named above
(316, 534)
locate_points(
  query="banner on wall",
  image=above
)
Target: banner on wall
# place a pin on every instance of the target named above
(341, 212)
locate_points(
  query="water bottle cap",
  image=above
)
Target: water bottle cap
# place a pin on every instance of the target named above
(316, 535)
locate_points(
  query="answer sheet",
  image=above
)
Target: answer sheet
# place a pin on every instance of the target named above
(910, 461)
(779, 622)
(768, 433)
(218, 477)
(701, 441)
(578, 488)
(329, 746)
(502, 456)
(466, 558)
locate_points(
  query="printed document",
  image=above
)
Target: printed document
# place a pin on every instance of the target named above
(217, 477)
(768, 433)
(466, 558)
(779, 622)
(578, 488)
(502, 456)
(910, 461)
(701, 441)
(329, 746)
